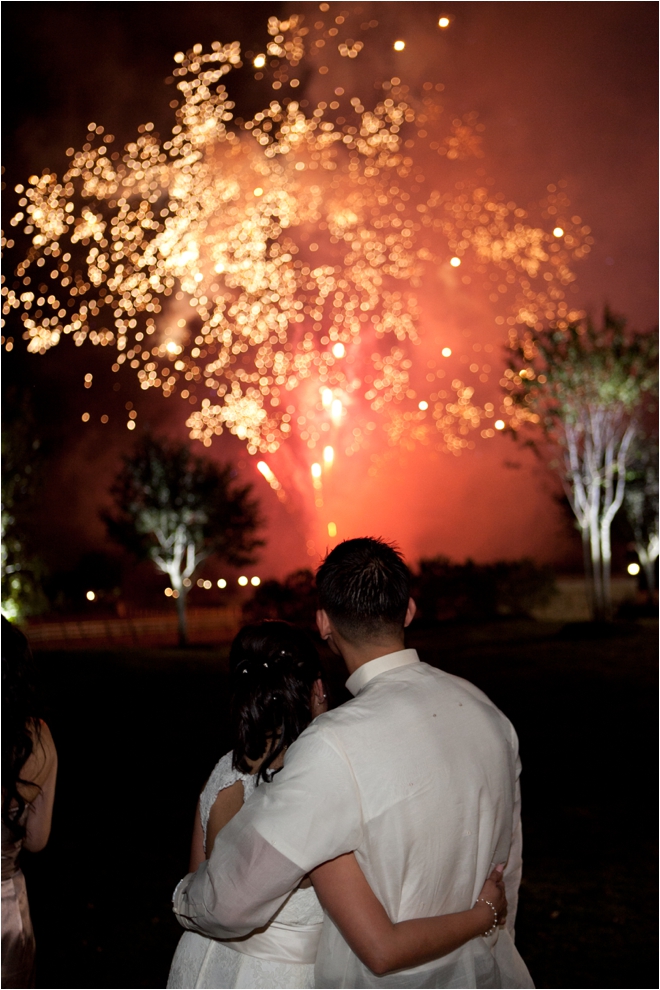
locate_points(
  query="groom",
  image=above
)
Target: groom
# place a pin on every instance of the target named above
(417, 774)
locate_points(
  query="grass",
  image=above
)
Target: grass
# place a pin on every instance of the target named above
(139, 731)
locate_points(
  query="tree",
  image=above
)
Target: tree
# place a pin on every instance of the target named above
(588, 390)
(641, 507)
(293, 599)
(23, 569)
(177, 510)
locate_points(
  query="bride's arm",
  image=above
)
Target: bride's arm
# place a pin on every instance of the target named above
(384, 946)
(197, 854)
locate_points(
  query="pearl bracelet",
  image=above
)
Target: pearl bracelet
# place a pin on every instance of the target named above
(495, 916)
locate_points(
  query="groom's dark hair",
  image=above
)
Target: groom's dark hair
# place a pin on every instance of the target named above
(364, 586)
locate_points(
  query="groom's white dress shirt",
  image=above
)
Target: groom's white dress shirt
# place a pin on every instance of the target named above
(418, 775)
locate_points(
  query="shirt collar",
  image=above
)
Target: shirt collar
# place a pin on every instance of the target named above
(361, 677)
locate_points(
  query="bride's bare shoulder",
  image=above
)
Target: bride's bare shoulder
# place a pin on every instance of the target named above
(227, 804)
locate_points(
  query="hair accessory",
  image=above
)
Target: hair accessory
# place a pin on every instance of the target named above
(495, 916)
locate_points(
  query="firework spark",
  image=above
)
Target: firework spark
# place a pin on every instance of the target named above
(269, 270)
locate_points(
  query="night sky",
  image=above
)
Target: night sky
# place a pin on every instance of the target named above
(566, 91)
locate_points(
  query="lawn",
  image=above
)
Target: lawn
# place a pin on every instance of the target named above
(139, 731)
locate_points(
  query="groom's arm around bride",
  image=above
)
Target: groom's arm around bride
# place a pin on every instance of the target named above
(417, 775)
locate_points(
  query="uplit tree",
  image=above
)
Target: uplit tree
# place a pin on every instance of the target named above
(177, 510)
(641, 506)
(587, 390)
(23, 569)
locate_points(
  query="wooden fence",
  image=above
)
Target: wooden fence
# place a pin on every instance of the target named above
(205, 625)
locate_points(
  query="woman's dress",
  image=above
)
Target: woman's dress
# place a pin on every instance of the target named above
(17, 932)
(282, 955)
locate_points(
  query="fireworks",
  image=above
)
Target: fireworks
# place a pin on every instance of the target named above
(268, 271)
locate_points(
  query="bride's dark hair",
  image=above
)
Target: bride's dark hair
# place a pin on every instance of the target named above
(20, 725)
(274, 666)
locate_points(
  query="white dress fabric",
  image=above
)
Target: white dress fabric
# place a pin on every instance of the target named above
(418, 775)
(280, 955)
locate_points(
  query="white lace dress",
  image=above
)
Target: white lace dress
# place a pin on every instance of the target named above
(280, 956)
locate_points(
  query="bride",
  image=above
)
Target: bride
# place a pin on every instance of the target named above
(277, 691)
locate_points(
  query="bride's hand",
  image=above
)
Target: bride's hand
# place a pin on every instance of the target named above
(493, 891)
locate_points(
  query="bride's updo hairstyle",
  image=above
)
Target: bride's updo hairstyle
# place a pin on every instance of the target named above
(274, 666)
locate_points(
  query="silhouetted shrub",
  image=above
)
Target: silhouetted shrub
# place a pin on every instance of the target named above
(293, 599)
(446, 590)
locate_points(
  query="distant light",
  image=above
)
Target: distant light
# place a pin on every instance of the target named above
(446, 351)
(399, 46)
(328, 455)
(454, 262)
(332, 529)
(326, 397)
(168, 592)
(222, 583)
(443, 22)
(499, 424)
(130, 425)
(633, 569)
(336, 410)
(339, 350)
(85, 417)
(200, 582)
(256, 581)
(242, 580)
(90, 596)
(172, 347)
(316, 470)
(423, 405)
(258, 191)
(175, 594)
(266, 471)
(259, 61)
(558, 232)
(207, 585)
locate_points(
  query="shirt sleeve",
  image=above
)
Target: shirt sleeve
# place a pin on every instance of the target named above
(308, 814)
(513, 868)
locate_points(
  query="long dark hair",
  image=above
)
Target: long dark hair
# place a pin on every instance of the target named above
(21, 726)
(274, 666)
